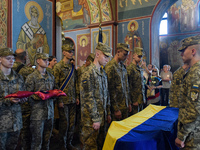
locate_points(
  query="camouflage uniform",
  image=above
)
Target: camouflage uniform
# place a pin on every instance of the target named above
(42, 112)
(24, 71)
(10, 113)
(118, 87)
(189, 102)
(174, 91)
(49, 70)
(95, 104)
(68, 113)
(25, 132)
(136, 86)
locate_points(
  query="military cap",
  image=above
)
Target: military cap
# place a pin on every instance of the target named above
(67, 47)
(6, 51)
(193, 40)
(138, 51)
(42, 56)
(123, 46)
(104, 48)
(91, 57)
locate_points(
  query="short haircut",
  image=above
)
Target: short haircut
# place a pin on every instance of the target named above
(20, 55)
(51, 58)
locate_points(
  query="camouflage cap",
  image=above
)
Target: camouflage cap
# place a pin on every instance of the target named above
(91, 57)
(42, 56)
(67, 47)
(193, 40)
(138, 51)
(123, 46)
(6, 51)
(104, 48)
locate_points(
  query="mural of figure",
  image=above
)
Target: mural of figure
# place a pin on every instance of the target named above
(188, 16)
(173, 16)
(132, 38)
(84, 50)
(32, 36)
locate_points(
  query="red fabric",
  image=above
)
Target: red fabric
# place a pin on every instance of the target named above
(20, 94)
(49, 94)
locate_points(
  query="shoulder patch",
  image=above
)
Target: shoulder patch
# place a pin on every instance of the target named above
(84, 81)
(194, 93)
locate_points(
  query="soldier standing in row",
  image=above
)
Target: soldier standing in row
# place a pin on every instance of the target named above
(188, 134)
(174, 91)
(20, 67)
(42, 111)
(95, 104)
(118, 83)
(10, 109)
(65, 77)
(135, 79)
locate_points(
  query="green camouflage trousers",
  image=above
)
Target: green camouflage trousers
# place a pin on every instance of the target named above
(41, 132)
(9, 140)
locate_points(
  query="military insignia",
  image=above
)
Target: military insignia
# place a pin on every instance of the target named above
(195, 93)
(84, 81)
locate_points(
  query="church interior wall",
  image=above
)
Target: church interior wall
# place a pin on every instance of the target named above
(183, 22)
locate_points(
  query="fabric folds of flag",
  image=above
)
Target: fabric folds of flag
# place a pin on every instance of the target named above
(100, 34)
(154, 128)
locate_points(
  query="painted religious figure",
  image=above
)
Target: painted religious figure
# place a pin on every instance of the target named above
(32, 36)
(132, 38)
(83, 49)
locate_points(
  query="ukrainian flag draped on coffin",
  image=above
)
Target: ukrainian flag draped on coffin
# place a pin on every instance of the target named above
(154, 128)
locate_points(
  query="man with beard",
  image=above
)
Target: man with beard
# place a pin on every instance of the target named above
(32, 37)
(118, 83)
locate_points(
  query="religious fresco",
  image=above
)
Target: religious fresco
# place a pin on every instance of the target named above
(83, 48)
(169, 53)
(32, 27)
(106, 37)
(136, 34)
(80, 13)
(3, 23)
(135, 8)
(183, 16)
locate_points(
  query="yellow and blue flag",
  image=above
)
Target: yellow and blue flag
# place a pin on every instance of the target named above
(100, 34)
(154, 128)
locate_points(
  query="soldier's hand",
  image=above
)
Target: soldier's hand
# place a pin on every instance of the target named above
(179, 143)
(118, 114)
(96, 125)
(61, 105)
(130, 108)
(77, 101)
(14, 100)
(135, 104)
(109, 119)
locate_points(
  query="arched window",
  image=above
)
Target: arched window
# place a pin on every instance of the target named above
(163, 25)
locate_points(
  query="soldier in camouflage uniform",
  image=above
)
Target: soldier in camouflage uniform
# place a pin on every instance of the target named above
(10, 109)
(118, 83)
(42, 111)
(188, 135)
(20, 67)
(135, 79)
(95, 103)
(66, 105)
(80, 71)
(174, 91)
